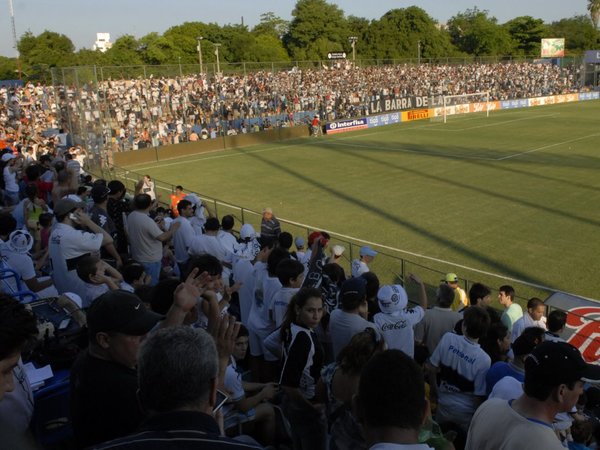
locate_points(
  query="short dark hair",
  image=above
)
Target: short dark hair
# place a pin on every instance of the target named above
(212, 224)
(115, 187)
(86, 267)
(508, 290)
(227, 222)
(288, 269)
(445, 295)
(277, 255)
(163, 295)
(478, 290)
(17, 325)
(372, 283)
(46, 219)
(179, 187)
(142, 201)
(205, 263)
(285, 240)
(383, 401)
(132, 271)
(556, 320)
(476, 322)
(183, 204)
(534, 302)
(8, 224)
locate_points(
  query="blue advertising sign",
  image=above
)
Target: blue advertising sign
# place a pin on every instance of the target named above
(346, 125)
(592, 57)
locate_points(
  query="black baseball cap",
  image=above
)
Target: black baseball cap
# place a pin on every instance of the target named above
(99, 193)
(122, 312)
(557, 363)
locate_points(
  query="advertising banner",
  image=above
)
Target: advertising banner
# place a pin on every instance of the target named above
(346, 125)
(417, 114)
(589, 95)
(553, 48)
(592, 57)
(383, 119)
(404, 103)
(511, 104)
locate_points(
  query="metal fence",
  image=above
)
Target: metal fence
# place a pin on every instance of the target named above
(391, 265)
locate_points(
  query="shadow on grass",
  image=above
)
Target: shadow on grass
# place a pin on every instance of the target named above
(374, 210)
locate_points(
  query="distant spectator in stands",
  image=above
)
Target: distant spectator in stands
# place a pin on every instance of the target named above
(146, 238)
(460, 296)
(438, 320)
(290, 273)
(361, 265)
(557, 320)
(100, 216)
(175, 199)
(396, 321)
(146, 186)
(269, 226)
(533, 317)
(68, 244)
(118, 207)
(392, 413)
(512, 311)
(461, 365)
(350, 318)
(182, 238)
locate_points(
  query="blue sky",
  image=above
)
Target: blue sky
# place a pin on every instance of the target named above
(80, 20)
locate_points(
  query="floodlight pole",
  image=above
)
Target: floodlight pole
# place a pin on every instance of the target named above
(419, 52)
(353, 40)
(217, 54)
(199, 48)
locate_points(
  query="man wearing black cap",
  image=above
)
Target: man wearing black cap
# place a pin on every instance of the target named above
(554, 376)
(67, 244)
(99, 215)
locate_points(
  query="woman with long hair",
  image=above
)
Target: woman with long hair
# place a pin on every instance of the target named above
(303, 360)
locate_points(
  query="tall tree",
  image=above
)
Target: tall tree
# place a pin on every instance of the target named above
(594, 9)
(527, 34)
(271, 24)
(126, 51)
(317, 28)
(475, 32)
(49, 48)
(579, 34)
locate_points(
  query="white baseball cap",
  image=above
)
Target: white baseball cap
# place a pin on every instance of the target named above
(392, 298)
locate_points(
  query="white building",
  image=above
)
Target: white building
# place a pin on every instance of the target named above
(102, 42)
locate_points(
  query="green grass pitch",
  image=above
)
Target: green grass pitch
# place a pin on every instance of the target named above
(516, 194)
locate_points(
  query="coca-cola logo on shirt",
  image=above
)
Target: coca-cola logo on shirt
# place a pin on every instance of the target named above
(394, 326)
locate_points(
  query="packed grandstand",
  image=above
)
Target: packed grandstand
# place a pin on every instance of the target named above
(108, 269)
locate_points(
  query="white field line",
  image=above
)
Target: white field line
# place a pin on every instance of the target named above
(548, 146)
(394, 249)
(501, 123)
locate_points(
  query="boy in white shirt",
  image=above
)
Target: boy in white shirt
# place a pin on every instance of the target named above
(395, 322)
(291, 275)
(98, 278)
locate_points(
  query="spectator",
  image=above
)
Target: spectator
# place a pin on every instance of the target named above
(496, 342)
(146, 238)
(392, 413)
(269, 227)
(396, 322)
(180, 397)
(98, 277)
(534, 317)
(554, 374)
(557, 320)
(175, 199)
(462, 366)
(117, 208)
(100, 216)
(512, 311)
(460, 296)
(134, 277)
(301, 369)
(182, 238)
(299, 243)
(361, 265)
(290, 274)
(350, 318)
(438, 320)
(67, 244)
(11, 169)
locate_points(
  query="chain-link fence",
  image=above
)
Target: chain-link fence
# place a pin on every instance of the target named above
(391, 265)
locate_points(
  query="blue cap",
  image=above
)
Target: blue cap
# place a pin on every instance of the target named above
(299, 241)
(367, 251)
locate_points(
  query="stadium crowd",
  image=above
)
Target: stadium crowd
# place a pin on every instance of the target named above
(139, 113)
(182, 330)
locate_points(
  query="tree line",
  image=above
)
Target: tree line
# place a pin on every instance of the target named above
(316, 28)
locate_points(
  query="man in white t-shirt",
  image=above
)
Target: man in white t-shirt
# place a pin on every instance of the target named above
(209, 243)
(461, 365)
(555, 373)
(533, 317)
(361, 265)
(396, 322)
(146, 238)
(67, 244)
(182, 238)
